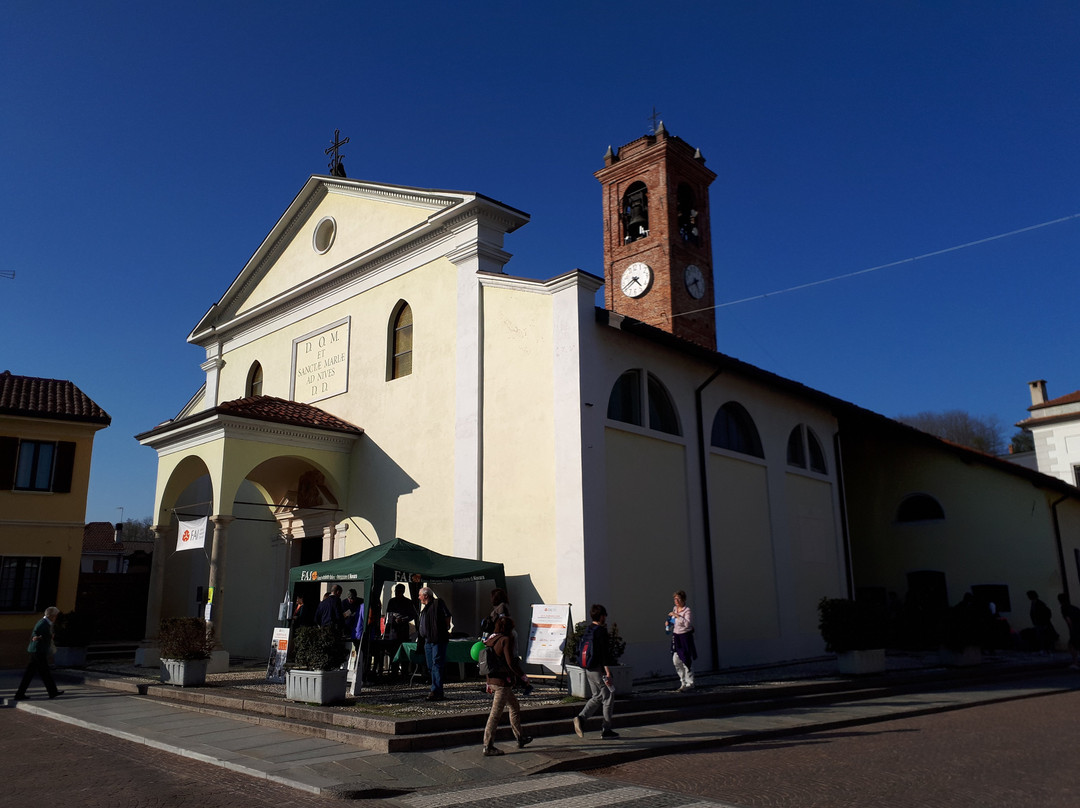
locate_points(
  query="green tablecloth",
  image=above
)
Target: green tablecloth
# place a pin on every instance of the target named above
(457, 651)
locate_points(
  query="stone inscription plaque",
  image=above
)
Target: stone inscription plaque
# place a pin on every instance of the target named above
(321, 364)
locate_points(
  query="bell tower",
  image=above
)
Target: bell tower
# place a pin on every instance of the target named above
(657, 246)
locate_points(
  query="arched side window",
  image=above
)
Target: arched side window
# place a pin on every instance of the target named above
(254, 380)
(816, 453)
(401, 342)
(663, 417)
(635, 212)
(919, 508)
(733, 429)
(687, 214)
(802, 445)
(624, 403)
(796, 451)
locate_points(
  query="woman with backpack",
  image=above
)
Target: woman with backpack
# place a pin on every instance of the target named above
(503, 672)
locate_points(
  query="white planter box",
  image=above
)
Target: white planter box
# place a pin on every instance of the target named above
(184, 672)
(315, 687)
(621, 675)
(70, 656)
(857, 663)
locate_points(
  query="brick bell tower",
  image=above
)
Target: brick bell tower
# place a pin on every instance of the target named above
(657, 246)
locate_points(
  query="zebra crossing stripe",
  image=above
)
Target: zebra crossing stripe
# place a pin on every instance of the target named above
(517, 787)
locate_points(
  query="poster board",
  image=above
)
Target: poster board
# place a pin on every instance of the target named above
(279, 651)
(548, 629)
(354, 670)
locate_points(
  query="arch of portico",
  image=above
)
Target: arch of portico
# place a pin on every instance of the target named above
(295, 477)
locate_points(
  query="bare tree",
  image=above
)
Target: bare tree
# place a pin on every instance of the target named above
(985, 433)
(137, 530)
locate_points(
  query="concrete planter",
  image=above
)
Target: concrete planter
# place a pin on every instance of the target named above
(184, 672)
(858, 663)
(315, 687)
(70, 656)
(621, 675)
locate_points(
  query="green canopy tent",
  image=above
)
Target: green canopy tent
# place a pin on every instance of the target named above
(397, 560)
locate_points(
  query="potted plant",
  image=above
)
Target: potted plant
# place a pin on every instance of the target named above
(855, 633)
(186, 643)
(622, 676)
(318, 677)
(71, 637)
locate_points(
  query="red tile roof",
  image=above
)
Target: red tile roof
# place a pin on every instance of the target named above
(47, 398)
(98, 538)
(1070, 398)
(281, 411)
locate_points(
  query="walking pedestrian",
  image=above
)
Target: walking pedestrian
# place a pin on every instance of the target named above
(40, 643)
(597, 674)
(502, 676)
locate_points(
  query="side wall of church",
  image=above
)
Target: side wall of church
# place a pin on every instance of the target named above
(997, 528)
(774, 530)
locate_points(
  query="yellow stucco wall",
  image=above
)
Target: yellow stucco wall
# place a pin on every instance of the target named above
(399, 485)
(745, 573)
(519, 438)
(648, 538)
(812, 546)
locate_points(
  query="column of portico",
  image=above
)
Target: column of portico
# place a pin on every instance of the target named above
(219, 660)
(147, 652)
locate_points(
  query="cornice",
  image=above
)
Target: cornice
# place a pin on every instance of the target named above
(216, 427)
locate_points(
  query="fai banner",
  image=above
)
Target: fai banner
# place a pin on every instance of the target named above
(191, 535)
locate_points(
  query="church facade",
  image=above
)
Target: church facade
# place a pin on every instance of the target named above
(376, 370)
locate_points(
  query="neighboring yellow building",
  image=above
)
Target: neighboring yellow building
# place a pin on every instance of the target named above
(47, 429)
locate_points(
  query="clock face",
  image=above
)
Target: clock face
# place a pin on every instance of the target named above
(636, 279)
(695, 281)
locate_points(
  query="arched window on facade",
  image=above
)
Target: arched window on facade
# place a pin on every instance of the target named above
(919, 508)
(663, 417)
(624, 403)
(628, 399)
(733, 429)
(401, 342)
(254, 380)
(803, 446)
(635, 212)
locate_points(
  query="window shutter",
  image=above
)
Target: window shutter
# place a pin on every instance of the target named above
(48, 583)
(9, 451)
(64, 468)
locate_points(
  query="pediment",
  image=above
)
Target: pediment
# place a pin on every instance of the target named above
(333, 223)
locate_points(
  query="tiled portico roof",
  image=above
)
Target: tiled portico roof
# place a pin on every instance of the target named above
(281, 411)
(56, 399)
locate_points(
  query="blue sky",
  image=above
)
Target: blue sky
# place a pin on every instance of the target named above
(147, 149)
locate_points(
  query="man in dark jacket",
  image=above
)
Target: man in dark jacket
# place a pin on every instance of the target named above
(329, 612)
(433, 625)
(598, 675)
(40, 643)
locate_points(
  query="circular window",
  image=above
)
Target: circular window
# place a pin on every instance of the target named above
(325, 231)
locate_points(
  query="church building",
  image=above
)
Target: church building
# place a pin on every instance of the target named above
(377, 370)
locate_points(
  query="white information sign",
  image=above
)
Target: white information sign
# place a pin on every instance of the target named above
(547, 635)
(279, 651)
